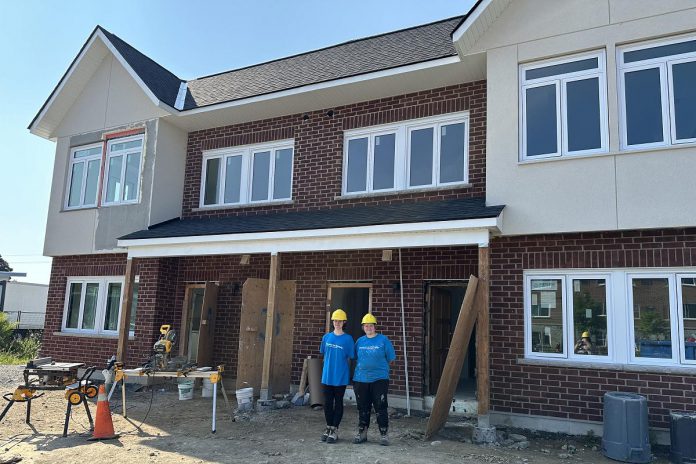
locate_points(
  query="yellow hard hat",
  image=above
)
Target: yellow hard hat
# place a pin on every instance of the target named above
(339, 315)
(585, 334)
(369, 319)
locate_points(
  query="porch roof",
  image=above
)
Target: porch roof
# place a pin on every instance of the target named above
(425, 223)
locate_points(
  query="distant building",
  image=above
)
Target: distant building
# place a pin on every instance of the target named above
(23, 302)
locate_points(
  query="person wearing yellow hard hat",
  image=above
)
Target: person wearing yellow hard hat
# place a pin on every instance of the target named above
(374, 353)
(338, 349)
(584, 345)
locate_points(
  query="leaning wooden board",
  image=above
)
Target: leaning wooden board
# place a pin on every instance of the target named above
(454, 361)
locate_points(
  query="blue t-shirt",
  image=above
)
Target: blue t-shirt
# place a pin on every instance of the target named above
(338, 350)
(374, 355)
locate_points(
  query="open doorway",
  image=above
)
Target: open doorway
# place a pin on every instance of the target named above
(355, 299)
(443, 301)
(198, 323)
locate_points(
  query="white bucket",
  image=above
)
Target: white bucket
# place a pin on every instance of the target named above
(245, 397)
(185, 389)
(207, 391)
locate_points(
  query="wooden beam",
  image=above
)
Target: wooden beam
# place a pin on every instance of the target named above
(126, 304)
(273, 279)
(483, 337)
(454, 361)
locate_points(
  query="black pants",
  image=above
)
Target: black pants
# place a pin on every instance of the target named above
(333, 404)
(372, 394)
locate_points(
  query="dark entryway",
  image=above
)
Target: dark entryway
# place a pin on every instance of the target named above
(443, 301)
(354, 299)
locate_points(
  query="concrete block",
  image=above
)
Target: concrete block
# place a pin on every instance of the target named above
(483, 435)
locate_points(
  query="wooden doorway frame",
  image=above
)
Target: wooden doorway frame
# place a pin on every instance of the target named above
(429, 283)
(183, 345)
(333, 284)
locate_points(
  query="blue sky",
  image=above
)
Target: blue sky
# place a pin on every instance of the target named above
(39, 39)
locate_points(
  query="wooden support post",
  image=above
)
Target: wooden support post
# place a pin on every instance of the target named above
(273, 279)
(483, 337)
(127, 303)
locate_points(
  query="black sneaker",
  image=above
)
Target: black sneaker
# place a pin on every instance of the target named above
(325, 435)
(361, 436)
(383, 438)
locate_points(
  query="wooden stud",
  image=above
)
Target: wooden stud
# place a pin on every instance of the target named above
(483, 337)
(274, 276)
(126, 304)
(455, 360)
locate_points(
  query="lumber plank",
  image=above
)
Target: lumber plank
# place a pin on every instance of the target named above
(483, 333)
(454, 361)
(274, 275)
(126, 304)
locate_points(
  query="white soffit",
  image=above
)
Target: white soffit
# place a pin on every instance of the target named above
(476, 24)
(421, 234)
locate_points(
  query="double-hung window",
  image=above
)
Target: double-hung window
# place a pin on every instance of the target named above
(93, 305)
(83, 185)
(123, 166)
(251, 174)
(563, 110)
(658, 95)
(431, 152)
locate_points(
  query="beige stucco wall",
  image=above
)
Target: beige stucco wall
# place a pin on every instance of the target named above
(618, 190)
(168, 180)
(110, 102)
(110, 98)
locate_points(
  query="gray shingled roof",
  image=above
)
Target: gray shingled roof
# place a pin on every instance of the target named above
(377, 53)
(356, 216)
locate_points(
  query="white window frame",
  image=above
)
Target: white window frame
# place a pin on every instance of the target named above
(247, 153)
(86, 160)
(619, 308)
(124, 154)
(528, 316)
(100, 312)
(664, 64)
(402, 152)
(559, 81)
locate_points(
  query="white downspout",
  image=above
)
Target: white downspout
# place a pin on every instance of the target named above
(403, 334)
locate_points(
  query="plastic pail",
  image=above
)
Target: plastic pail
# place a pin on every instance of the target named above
(207, 391)
(185, 389)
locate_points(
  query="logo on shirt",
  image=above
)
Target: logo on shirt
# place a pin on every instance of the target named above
(371, 348)
(332, 345)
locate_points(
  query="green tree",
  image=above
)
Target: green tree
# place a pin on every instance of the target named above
(4, 267)
(6, 333)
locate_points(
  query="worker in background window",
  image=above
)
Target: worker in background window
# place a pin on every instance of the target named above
(338, 349)
(371, 379)
(584, 345)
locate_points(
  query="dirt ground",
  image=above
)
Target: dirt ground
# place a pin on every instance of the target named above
(179, 432)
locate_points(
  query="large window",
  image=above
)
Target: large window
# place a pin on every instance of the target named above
(573, 314)
(251, 174)
(93, 305)
(563, 107)
(658, 95)
(122, 174)
(421, 153)
(84, 170)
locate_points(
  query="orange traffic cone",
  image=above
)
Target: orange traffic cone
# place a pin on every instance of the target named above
(103, 426)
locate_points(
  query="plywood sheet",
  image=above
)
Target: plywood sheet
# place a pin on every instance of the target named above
(281, 366)
(252, 326)
(207, 327)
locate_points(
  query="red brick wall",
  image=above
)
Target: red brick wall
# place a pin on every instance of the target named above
(568, 392)
(319, 147)
(163, 283)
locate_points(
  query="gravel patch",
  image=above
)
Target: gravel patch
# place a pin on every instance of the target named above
(10, 376)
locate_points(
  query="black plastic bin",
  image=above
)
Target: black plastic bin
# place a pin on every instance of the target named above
(682, 435)
(626, 436)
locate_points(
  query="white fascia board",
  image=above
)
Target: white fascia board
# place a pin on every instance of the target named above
(471, 19)
(325, 85)
(423, 234)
